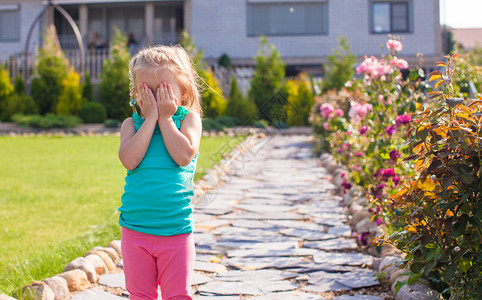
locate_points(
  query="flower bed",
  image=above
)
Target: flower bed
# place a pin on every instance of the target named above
(415, 149)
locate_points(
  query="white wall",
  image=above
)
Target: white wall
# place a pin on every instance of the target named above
(29, 10)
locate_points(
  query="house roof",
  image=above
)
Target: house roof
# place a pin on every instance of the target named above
(469, 38)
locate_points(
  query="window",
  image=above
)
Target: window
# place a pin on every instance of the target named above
(390, 17)
(9, 22)
(287, 18)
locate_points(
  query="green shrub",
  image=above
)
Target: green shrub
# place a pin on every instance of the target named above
(261, 124)
(6, 89)
(300, 102)
(110, 123)
(240, 107)
(267, 83)
(213, 102)
(51, 69)
(92, 112)
(19, 104)
(20, 86)
(340, 67)
(114, 87)
(88, 88)
(220, 123)
(225, 61)
(70, 101)
(46, 122)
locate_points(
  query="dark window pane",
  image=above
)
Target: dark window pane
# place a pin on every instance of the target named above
(8, 24)
(400, 17)
(289, 18)
(381, 17)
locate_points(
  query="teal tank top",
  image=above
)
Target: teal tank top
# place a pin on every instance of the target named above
(157, 194)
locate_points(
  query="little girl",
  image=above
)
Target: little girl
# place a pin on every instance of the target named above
(159, 148)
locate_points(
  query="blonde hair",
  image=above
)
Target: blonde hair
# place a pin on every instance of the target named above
(176, 60)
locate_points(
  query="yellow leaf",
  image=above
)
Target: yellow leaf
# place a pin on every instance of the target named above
(438, 83)
(449, 213)
(428, 185)
(411, 229)
(441, 65)
(436, 76)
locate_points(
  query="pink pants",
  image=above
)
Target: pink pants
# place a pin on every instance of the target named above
(151, 261)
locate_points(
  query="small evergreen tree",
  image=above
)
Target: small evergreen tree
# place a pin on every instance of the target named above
(20, 86)
(239, 106)
(52, 67)
(225, 61)
(114, 86)
(6, 90)
(267, 83)
(70, 101)
(213, 102)
(300, 102)
(340, 67)
(87, 88)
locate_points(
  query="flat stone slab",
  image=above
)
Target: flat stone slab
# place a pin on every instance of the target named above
(252, 288)
(255, 238)
(264, 207)
(207, 297)
(308, 235)
(215, 210)
(204, 239)
(258, 216)
(209, 267)
(211, 224)
(256, 263)
(340, 231)
(288, 296)
(334, 244)
(358, 297)
(271, 252)
(253, 224)
(309, 267)
(200, 279)
(358, 279)
(116, 280)
(297, 225)
(256, 245)
(255, 275)
(327, 286)
(95, 294)
(352, 259)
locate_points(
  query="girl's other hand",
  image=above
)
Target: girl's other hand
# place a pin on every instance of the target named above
(167, 103)
(147, 103)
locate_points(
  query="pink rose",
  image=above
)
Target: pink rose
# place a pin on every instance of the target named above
(391, 130)
(339, 112)
(364, 130)
(326, 110)
(394, 45)
(399, 63)
(359, 111)
(327, 126)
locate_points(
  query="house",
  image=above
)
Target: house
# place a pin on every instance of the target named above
(304, 31)
(468, 38)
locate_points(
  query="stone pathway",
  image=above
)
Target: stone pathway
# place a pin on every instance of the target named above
(274, 230)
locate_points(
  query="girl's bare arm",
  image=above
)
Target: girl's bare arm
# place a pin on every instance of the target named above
(133, 145)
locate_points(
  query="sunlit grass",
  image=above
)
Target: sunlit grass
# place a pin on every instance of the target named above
(59, 198)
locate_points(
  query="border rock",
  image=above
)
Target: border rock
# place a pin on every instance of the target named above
(59, 287)
(83, 264)
(37, 290)
(76, 280)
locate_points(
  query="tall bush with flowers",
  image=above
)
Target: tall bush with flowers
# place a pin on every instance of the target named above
(419, 161)
(440, 207)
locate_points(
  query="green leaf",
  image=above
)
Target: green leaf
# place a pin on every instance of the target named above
(459, 228)
(414, 278)
(371, 147)
(465, 265)
(449, 272)
(416, 267)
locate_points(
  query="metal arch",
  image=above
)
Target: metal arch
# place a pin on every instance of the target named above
(75, 28)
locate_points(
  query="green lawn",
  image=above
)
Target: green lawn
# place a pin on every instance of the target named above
(59, 198)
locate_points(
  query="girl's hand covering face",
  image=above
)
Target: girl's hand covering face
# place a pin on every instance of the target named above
(147, 102)
(167, 103)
